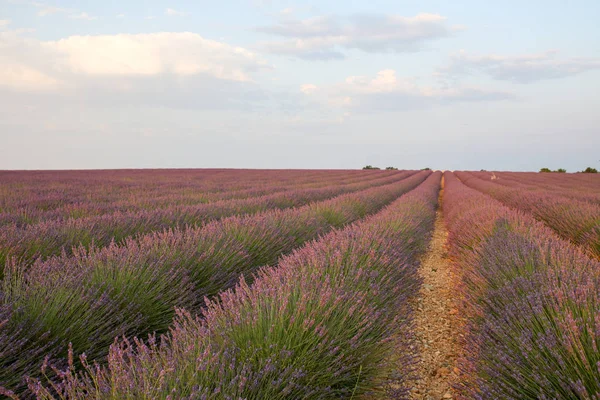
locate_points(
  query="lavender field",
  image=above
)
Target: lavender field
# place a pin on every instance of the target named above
(298, 284)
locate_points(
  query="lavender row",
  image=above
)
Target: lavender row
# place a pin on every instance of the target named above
(531, 183)
(50, 189)
(575, 220)
(325, 323)
(32, 204)
(51, 238)
(61, 186)
(578, 182)
(95, 295)
(531, 300)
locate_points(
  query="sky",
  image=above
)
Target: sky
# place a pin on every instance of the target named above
(467, 84)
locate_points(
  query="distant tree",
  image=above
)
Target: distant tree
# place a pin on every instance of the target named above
(370, 167)
(391, 168)
(590, 170)
(561, 170)
(545, 170)
(426, 169)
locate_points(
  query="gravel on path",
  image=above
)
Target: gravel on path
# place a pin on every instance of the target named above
(437, 320)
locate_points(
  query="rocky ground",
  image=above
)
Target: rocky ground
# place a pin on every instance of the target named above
(437, 321)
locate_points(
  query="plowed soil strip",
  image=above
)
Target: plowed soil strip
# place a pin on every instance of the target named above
(436, 320)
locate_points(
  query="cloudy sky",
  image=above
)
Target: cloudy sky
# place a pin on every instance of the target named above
(467, 84)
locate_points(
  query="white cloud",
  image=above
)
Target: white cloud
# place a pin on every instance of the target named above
(49, 10)
(120, 15)
(83, 15)
(48, 64)
(25, 78)
(385, 81)
(182, 53)
(150, 17)
(325, 37)
(19, 68)
(45, 9)
(4, 23)
(387, 92)
(174, 13)
(308, 88)
(525, 68)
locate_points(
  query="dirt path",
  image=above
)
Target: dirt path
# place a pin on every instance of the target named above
(436, 320)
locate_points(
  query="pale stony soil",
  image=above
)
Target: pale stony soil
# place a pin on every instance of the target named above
(437, 321)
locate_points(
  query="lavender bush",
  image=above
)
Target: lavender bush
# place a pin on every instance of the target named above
(545, 183)
(575, 220)
(89, 298)
(51, 237)
(26, 201)
(532, 301)
(323, 324)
